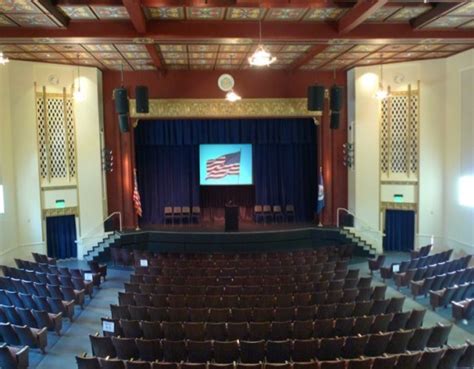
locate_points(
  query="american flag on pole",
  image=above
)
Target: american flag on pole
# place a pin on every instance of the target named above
(137, 204)
(222, 166)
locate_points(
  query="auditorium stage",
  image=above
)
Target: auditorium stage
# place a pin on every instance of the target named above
(206, 238)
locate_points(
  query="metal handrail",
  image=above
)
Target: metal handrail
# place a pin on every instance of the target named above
(370, 228)
(88, 235)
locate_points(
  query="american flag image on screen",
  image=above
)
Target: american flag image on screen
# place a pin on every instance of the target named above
(222, 166)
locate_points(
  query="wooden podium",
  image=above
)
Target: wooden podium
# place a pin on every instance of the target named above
(231, 218)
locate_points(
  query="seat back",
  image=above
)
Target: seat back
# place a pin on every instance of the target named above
(7, 359)
(9, 335)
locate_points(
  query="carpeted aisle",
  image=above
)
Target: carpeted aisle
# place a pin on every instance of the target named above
(75, 340)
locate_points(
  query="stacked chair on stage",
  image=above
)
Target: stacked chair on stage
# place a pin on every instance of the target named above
(282, 310)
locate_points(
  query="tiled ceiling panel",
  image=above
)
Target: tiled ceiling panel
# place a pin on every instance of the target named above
(324, 14)
(78, 12)
(285, 14)
(211, 13)
(245, 14)
(176, 48)
(110, 12)
(165, 13)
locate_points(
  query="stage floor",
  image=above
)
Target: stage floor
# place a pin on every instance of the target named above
(219, 227)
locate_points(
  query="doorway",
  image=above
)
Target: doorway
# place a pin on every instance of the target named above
(399, 230)
(61, 236)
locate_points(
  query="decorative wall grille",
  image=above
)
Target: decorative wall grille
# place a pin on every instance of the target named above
(399, 133)
(56, 137)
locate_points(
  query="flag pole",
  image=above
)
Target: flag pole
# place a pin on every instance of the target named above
(135, 184)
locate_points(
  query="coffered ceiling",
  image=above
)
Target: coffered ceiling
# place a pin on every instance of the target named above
(222, 34)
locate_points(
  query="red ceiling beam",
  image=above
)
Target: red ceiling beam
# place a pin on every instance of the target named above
(438, 11)
(48, 7)
(135, 11)
(89, 2)
(248, 3)
(359, 14)
(154, 56)
(315, 50)
(209, 31)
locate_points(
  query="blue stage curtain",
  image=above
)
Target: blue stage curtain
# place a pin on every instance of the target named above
(61, 236)
(284, 162)
(399, 230)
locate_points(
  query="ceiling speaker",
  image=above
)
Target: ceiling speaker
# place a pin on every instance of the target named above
(121, 100)
(141, 96)
(316, 98)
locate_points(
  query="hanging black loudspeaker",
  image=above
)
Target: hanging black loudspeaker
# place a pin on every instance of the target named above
(121, 100)
(315, 98)
(141, 96)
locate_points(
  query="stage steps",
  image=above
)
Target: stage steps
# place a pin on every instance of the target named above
(102, 247)
(364, 246)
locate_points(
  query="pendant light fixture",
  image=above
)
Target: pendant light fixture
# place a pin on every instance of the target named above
(3, 59)
(381, 93)
(79, 94)
(261, 57)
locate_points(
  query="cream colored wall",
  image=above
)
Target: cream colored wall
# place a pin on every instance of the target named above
(26, 229)
(8, 223)
(459, 220)
(438, 146)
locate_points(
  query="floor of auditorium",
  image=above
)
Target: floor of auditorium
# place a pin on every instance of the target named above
(74, 339)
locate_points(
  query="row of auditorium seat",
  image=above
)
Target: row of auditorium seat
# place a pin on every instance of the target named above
(322, 310)
(442, 281)
(456, 293)
(440, 257)
(31, 318)
(65, 293)
(276, 330)
(149, 297)
(403, 279)
(461, 356)
(16, 335)
(255, 272)
(253, 351)
(28, 272)
(43, 258)
(128, 256)
(240, 255)
(77, 283)
(316, 272)
(52, 305)
(319, 265)
(446, 358)
(280, 300)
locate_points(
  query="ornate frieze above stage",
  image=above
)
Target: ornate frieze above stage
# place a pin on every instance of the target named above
(218, 108)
